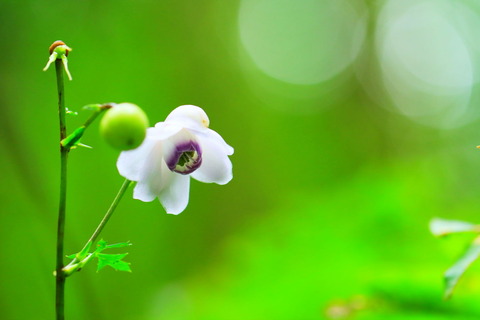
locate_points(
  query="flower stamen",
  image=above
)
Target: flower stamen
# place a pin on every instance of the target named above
(186, 158)
(187, 162)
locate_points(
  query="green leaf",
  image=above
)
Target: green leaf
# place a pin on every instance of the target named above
(113, 260)
(453, 274)
(72, 256)
(101, 245)
(118, 245)
(73, 138)
(82, 254)
(441, 227)
(122, 266)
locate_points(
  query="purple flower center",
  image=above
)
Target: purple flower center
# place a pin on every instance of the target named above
(186, 158)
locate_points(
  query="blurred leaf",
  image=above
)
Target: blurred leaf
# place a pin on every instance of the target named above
(453, 274)
(70, 112)
(113, 260)
(92, 107)
(83, 146)
(442, 227)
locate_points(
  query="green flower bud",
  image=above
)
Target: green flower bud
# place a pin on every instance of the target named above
(124, 126)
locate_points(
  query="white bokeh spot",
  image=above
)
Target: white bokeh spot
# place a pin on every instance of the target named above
(426, 61)
(302, 43)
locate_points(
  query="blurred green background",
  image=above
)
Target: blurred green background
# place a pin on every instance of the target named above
(354, 123)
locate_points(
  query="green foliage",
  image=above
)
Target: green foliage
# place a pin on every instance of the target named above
(453, 274)
(366, 260)
(74, 138)
(82, 254)
(80, 259)
(103, 244)
(442, 227)
(239, 252)
(113, 260)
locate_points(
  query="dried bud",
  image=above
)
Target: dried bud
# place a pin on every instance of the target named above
(57, 44)
(59, 51)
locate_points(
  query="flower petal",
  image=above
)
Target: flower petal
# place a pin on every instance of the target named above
(216, 166)
(130, 163)
(190, 117)
(143, 192)
(156, 176)
(211, 134)
(174, 198)
(164, 130)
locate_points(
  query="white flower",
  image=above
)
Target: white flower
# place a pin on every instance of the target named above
(173, 150)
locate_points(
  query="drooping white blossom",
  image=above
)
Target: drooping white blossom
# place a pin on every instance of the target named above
(173, 150)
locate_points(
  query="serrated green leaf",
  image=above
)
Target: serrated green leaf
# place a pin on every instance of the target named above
(442, 227)
(111, 257)
(101, 245)
(122, 266)
(118, 245)
(112, 260)
(101, 264)
(453, 274)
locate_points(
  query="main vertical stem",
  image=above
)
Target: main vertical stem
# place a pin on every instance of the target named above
(60, 276)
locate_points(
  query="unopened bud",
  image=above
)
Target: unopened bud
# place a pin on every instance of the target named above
(124, 126)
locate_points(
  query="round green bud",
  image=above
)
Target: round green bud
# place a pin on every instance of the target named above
(124, 126)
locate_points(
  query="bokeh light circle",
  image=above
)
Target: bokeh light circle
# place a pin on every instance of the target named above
(426, 62)
(302, 43)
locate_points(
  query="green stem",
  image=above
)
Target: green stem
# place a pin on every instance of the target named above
(60, 276)
(93, 117)
(74, 138)
(110, 211)
(83, 257)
